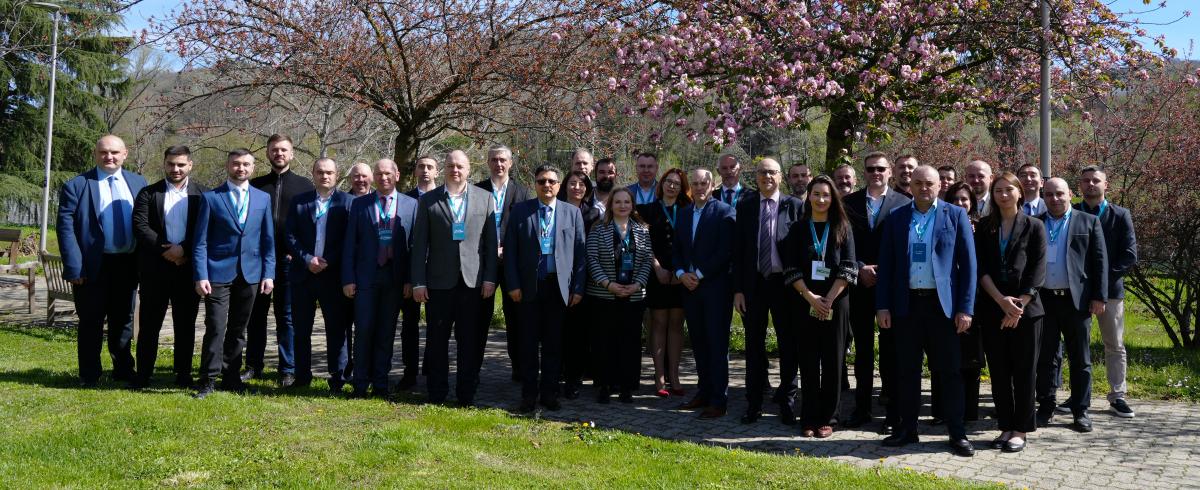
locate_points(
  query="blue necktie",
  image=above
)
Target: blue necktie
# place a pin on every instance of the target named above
(120, 233)
(542, 267)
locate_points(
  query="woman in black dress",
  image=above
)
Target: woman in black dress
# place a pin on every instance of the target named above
(577, 191)
(664, 295)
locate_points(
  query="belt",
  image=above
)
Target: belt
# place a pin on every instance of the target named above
(922, 292)
(1056, 292)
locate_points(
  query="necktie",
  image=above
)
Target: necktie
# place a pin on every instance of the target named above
(728, 196)
(543, 215)
(385, 222)
(766, 236)
(120, 232)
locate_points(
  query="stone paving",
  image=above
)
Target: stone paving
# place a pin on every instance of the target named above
(1160, 448)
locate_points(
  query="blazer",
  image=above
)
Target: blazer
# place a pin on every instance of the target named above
(149, 224)
(866, 237)
(281, 188)
(838, 256)
(438, 261)
(712, 253)
(602, 259)
(80, 238)
(224, 247)
(1023, 270)
(1087, 259)
(788, 210)
(516, 193)
(952, 257)
(635, 188)
(522, 249)
(302, 234)
(1120, 242)
(662, 232)
(360, 251)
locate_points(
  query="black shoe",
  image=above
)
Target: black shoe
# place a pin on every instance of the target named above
(751, 416)
(237, 387)
(1082, 423)
(123, 376)
(570, 391)
(183, 381)
(900, 438)
(1121, 409)
(302, 383)
(857, 420)
(138, 383)
(250, 373)
(887, 428)
(1014, 447)
(527, 405)
(786, 415)
(935, 421)
(406, 382)
(359, 393)
(625, 397)
(963, 447)
(1044, 416)
(206, 388)
(380, 392)
(286, 380)
(604, 397)
(551, 403)
(999, 442)
(335, 387)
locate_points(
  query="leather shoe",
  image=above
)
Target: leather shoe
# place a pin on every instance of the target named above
(1082, 424)
(962, 447)
(551, 404)
(1014, 445)
(249, 374)
(887, 428)
(999, 442)
(527, 405)
(751, 416)
(712, 413)
(695, 403)
(900, 438)
(625, 397)
(1044, 416)
(824, 431)
(809, 432)
(857, 420)
(786, 415)
(406, 382)
(935, 421)
(205, 389)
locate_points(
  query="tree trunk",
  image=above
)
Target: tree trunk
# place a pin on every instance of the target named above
(405, 152)
(1007, 137)
(839, 139)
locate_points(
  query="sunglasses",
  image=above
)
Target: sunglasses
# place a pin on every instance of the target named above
(873, 170)
(546, 181)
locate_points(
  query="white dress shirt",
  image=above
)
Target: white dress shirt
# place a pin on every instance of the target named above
(175, 211)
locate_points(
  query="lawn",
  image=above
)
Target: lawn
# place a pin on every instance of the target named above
(57, 435)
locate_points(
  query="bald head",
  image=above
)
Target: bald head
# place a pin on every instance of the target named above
(924, 185)
(701, 183)
(386, 175)
(457, 169)
(360, 179)
(110, 153)
(1057, 195)
(978, 175)
(769, 176)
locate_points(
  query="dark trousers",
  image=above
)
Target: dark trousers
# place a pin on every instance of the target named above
(541, 339)
(227, 313)
(971, 356)
(1012, 356)
(455, 309)
(376, 309)
(512, 324)
(326, 289)
(927, 329)
(410, 336)
(1065, 325)
(167, 285)
(708, 312)
(579, 346)
(110, 297)
(862, 323)
(616, 339)
(821, 347)
(256, 346)
(770, 296)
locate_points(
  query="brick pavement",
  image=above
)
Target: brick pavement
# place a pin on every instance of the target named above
(1160, 448)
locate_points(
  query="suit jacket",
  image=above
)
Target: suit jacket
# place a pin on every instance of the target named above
(712, 252)
(662, 232)
(866, 238)
(522, 249)
(952, 257)
(360, 251)
(1087, 259)
(516, 193)
(438, 261)
(149, 224)
(80, 238)
(1120, 242)
(302, 234)
(281, 188)
(746, 193)
(224, 247)
(788, 210)
(635, 188)
(1023, 270)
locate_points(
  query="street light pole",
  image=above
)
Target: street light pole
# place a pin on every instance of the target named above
(49, 121)
(1044, 130)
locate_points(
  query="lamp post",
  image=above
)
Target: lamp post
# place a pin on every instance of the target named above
(49, 120)
(1044, 110)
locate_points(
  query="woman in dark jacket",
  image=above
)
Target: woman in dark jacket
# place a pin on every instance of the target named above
(1011, 250)
(819, 263)
(664, 295)
(577, 191)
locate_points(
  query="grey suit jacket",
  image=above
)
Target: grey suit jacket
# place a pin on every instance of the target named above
(438, 261)
(1087, 259)
(522, 249)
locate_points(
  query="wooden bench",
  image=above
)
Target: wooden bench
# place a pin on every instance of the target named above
(16, 274)
(57, 288)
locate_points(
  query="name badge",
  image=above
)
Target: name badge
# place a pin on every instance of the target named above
(385, 236)
(625, 272)
(819, 271)
(547, 245)
(920, 253)
(458, 231)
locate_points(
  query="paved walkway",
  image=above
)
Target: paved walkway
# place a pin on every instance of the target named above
(1158, 449)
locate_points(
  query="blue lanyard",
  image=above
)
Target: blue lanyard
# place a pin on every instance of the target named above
(644, 198)
(460, 212)
(322, 210)
(385, 213)
(623, 236)
(499, 197)
(737, 193)
(671, 216)
(819, 245)
(1059, 226)
(547, 222)
(1103, 208)
(1004, 241)
(922, 226)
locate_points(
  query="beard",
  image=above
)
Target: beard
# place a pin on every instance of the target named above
(604, 186)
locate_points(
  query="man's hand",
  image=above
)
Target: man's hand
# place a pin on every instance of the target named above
(420, 294)
(77, 282)
(266, 286)
(500, 252)
(488, 289)
(884, 317)
(174, 254)
(515, 295)
(962, 322)
(349, 290)
(317, 264)
(866, 276)
(575, 299)
(739, 303)
(690, 281)
(203, 288)
(1097, 308)
(407, 290)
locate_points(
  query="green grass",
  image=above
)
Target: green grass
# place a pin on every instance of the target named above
(59, 436)
(1156, 369)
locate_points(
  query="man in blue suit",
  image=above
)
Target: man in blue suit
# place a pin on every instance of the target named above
(96, 240)
(375, 260)
(703, 255)
(316, 227)
(926, 291)
(233, 260)
(543, 270)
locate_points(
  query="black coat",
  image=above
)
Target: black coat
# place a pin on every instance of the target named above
(282, 188)
(149, 226)
(866, 238)
(1022, 272)
(1120, 242)
(1087, 259)
(788, 211)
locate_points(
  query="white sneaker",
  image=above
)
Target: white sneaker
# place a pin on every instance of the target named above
(1121, 409)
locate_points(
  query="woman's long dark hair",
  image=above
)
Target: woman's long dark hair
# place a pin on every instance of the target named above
(959, 186)
(992, 220)
(837, 213)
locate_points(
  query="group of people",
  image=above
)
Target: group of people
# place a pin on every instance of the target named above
(965, 273)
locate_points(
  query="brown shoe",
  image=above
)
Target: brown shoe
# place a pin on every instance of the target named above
(808, 432)
(712, 413)
(695, 403)
(824, 431)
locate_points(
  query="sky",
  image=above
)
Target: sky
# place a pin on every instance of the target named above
(1179, 34)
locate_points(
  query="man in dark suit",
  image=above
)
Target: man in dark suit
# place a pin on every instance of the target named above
(425, 172)
(233, 260)
(867, 210)
(543, 271)
(1031, 188)
(505, 193)
(703, 254)
(758, 289)
(281, 184)
(316, 227)
(454, 269)
(164, 216)
(798, 177)
(375, 259)
(844, 179)
(730, 191)
(926, 291)
(646, 167)
(1076, 288)
(1121, 247)
(96, 240)
(978, 175)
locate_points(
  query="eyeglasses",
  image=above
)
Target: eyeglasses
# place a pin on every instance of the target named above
(768, 172)
(546, 181)
(671, 183)
(873, 170)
